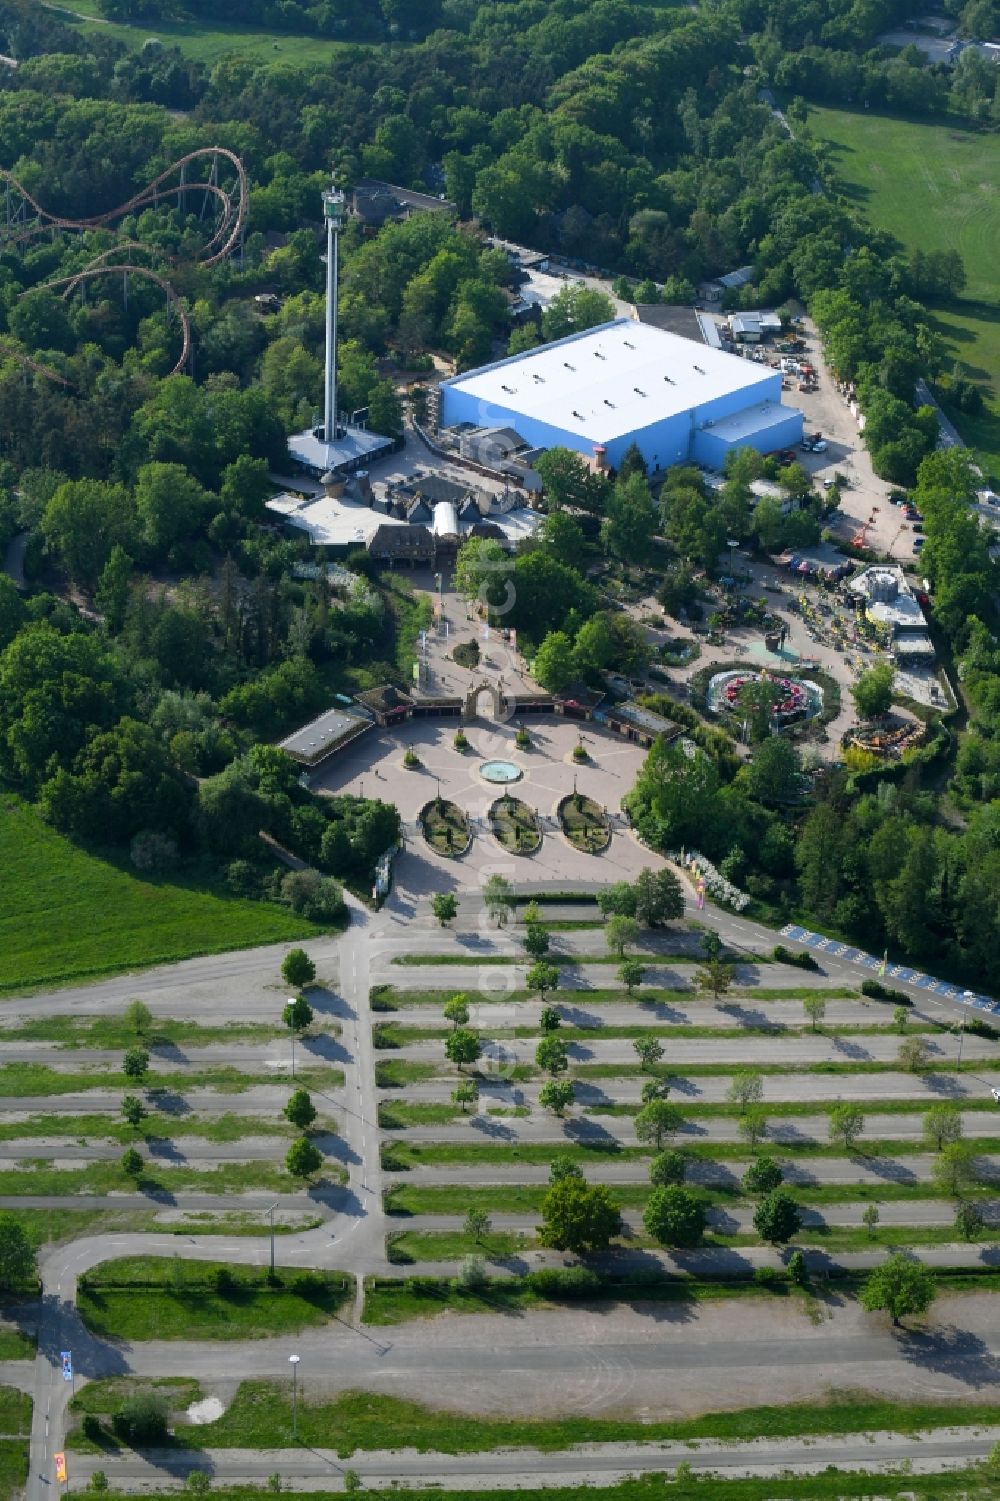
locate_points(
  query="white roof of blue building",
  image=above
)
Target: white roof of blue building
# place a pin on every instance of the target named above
(610, 381)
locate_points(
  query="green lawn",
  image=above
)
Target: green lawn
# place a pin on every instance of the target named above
(208, 43)
(69, 915)
(260, 1417)
(158, 1297)
(936, 186)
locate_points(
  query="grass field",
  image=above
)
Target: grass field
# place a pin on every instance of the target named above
(207, 43)
(68, 915)
(936, 187)
(157, 1297)
(260, 1416)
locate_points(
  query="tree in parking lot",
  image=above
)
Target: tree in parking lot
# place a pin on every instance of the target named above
(579, 1216)
(621, 932)
(631, 973)
(303, 1159)
(847, 1123)
(901, 1286)
(746, 1087)
(667, 1169)
(541, 977)
(954, 1168)
(444, 905)
(752, 1126)
(776, 1218)
(549, 1019)
(298, 1014)
(657, 1122)
(135, 1064)
(969, 1221)
(942, 1124)
(478, 1224)
(674, 1216)
(618, 900)
(870, 1219)
(536, 940)
(659, 897)
(465, 1094)
(297, 968)
(463, 1046)
(498, 896)
(456, 1010)
(556, 1095)
(762, 1176)
(300, 1110)
(133, 1110)
(814, 1007)
(914, 1055)
(132, 1162)
(714, 976)
(551, 1055)
(648, 1050)
(138, 1017)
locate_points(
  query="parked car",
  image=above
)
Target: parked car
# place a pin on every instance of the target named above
(918, 543)
(821, 446)
(996, 1094)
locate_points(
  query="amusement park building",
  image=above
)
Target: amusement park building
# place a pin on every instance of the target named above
(622, 383)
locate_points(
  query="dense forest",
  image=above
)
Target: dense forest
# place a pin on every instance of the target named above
(169, 632)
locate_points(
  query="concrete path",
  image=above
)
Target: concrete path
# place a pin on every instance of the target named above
(583, 1465)
(875, 1172)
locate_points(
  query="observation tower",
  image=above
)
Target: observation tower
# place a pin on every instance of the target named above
(336, 447)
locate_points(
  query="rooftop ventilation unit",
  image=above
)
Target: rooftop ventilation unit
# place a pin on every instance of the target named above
(629, 344)
(637, 391)
(598, 355)
(509, 389)
(578, 416)
(568, 365)
(699, 369)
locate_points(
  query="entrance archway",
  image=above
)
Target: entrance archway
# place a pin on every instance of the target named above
(498, 703)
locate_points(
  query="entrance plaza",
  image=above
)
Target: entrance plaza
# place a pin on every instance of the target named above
(373, 766)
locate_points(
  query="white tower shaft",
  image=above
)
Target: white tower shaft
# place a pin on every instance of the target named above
(333, 210)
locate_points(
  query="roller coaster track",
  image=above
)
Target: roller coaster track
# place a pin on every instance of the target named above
(7, 346)
(230, 222)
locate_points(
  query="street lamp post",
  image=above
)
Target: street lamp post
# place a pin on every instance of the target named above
(293, 1361)
(291, 1002)
(271, 1216)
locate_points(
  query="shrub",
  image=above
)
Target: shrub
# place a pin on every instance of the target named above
(563, 1281)
(223, 1280)
(798, 1272)
(472, 1274)
(801, 959)
(319, 898)
(461, 740)
(410, 759)
(522, 739)
(879, 992)
(93, 1431)
(580, 752)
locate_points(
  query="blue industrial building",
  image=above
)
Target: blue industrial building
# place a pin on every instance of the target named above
(622, 383)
